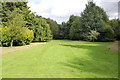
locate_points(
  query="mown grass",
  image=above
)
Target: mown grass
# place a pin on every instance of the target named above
(62, 59)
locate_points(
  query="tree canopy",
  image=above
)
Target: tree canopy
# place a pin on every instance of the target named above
(55, 30)
(95, 18)
(16, 16)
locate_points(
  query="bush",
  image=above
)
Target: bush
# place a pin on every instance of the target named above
(22, 36)
(93, 35)
(107, 34)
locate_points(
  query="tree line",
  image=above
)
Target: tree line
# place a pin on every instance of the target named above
(92, 25)
(20, 26)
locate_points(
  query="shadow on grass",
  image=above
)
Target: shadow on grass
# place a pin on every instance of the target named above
(79, 46)
(92, 47)
(96, 69)
(102, 62)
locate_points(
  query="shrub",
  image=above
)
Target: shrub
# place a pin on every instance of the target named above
(93, 35)
(19, 35)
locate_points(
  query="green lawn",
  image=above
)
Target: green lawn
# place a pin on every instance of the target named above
(62, 59)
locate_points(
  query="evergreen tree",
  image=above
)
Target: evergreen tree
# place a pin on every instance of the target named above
(10, 6)
(94, 18)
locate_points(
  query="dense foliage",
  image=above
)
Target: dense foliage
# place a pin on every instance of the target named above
(16, 15)
(93, 35)
(54, 28)
(115, 23)
(74, 32)
(16, 36)
(94, 18)
(64, 31)
(42, 31)
(92, 25)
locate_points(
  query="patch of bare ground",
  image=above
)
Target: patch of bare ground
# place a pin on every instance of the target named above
(115, 47)
(5, 50)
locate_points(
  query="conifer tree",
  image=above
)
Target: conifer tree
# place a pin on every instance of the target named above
(94, 18)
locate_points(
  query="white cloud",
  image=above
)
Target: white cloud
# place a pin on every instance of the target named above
(60, 10)
(113, 15)
(111, 8)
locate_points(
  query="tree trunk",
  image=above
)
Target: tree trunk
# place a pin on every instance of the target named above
(11, 43)
(93, 40)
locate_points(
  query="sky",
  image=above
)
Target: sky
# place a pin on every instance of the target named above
(60, 10)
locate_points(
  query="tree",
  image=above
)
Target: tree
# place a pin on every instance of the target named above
(21, 36)
(42, 31)
(95, 18)
(25, 18)
(68, 26)
(115, 23)
(74, 32)
(93, 35)
(15, 20)
(11, 6)
(64, 31)
(54, 28)
(65, 28)
(106, 33)
(46, 28)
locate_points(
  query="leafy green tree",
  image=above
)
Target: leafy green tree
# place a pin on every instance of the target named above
(55, 30)
(46, 28)
(74, 32)
(25, 18)
(68, 26)
(106, 33)
(32, 21)
(15, 19)
(115, 23)
(21, 36)
(65, 28)
(42, 31)
(64, 31)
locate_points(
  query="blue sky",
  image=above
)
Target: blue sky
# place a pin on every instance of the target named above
(60, 10)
